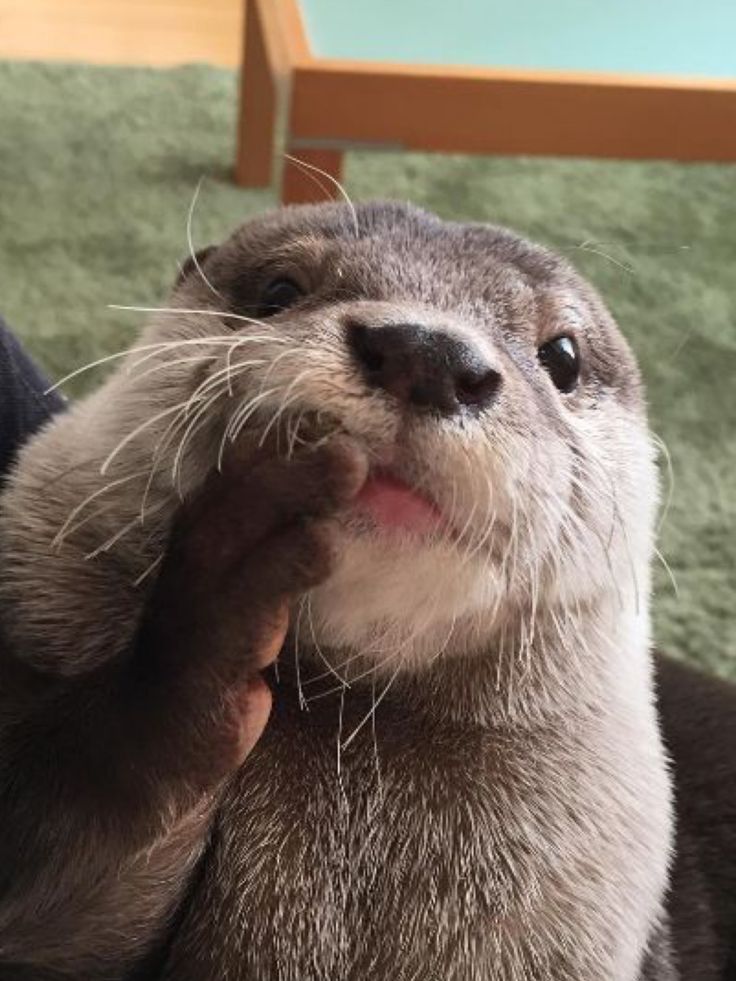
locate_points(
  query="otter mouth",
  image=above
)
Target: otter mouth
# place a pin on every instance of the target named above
(394, 506)
(386, 503)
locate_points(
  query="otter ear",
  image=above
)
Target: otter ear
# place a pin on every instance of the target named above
(192, 261)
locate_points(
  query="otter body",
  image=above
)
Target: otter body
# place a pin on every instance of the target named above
(431, 867)
(411, 456)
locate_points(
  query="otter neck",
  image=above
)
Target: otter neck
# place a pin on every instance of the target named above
(567, 666)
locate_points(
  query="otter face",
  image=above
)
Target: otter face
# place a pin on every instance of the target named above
(512, 483)
(498, 402)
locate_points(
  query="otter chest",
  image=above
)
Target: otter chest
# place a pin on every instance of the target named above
(425, 861)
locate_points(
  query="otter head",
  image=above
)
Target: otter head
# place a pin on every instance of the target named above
(512, 481)
(498, 402)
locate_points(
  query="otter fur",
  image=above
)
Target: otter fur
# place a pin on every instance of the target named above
(410, 457)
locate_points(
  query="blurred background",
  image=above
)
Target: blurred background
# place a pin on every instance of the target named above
(113, 111)
(133, 32)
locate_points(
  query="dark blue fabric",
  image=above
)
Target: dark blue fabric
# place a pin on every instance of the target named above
(23, 405)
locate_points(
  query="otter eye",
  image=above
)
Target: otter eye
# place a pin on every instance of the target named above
(278, 295)
(561, 358)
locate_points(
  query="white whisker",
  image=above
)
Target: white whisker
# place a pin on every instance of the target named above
(330, 668)
(151, 421)
(190, 242)
(374, 740)
(371, 714)
(336, 183)
(668, 570)
(285, 402)
(297, 665)
(250, 408)
(93, 497)
(149, 569)
(160, 346)
(229, 314)
(664, 449)
(188, 433)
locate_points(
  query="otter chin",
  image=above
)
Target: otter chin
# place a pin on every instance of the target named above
(416, 453)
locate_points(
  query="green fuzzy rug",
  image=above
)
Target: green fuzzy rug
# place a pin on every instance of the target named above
(97, 171)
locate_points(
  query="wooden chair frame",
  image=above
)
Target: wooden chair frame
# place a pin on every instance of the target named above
(317, 108)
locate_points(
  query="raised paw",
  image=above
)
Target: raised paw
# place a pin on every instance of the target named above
(259, 535)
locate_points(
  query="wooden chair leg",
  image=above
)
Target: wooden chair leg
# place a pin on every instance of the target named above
(258, 104)
(308, 182)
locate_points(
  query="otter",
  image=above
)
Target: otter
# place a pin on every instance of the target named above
(388, 479)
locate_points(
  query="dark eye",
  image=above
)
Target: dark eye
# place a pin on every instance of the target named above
(561, 359)
(278, 295)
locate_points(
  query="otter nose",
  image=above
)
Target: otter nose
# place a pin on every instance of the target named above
(423, 366)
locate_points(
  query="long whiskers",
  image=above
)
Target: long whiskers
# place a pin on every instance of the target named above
(198, 311)
(111, 485)
(315, 643)
(160, 347)
(151, 421)
(120, 534)
(149, 570)
(590, 245)
(335, 183)
(668, 570)
(297, 663)
(376, 702)
(664, 450)
(190, 242)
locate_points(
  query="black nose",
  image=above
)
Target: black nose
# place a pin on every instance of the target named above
(423, 366)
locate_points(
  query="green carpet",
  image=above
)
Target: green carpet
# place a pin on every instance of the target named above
(97, 170)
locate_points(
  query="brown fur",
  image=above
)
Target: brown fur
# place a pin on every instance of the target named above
(506, 813)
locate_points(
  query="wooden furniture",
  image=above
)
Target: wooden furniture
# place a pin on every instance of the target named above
(122, 32)
(305, 100)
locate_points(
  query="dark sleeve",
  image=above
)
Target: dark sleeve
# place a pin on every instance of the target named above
(698, 715)
(23, 405)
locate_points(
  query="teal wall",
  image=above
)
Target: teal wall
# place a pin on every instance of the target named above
(680, 37)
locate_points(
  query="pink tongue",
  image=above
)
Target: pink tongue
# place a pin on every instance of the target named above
(394, 505)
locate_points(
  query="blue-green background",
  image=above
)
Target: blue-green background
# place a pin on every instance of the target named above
(666, 37)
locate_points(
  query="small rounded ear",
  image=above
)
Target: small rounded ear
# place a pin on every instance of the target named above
(193, 261)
